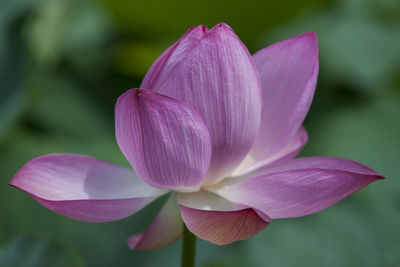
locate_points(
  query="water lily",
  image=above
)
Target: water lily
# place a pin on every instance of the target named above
(217, 127)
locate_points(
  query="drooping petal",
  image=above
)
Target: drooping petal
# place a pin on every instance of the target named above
(218, 220)
(212, 71)
(288, 72)
(250, 166)
(165, 140)
(299, 187)
(165, 229)
(84, 188)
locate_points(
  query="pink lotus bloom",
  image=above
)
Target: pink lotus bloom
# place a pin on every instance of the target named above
(217, 127)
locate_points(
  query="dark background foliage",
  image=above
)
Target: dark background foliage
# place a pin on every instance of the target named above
(63, 63)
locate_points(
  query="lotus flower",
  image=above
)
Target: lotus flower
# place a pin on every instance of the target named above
(217, 127)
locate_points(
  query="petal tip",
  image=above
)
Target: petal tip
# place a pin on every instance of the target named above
(14, 184)
(311, 34)
(310, 40)
(14, 181)
(221, 27)
(379, 176)
(201, 30)
(18, 180)
(133, 242)
(308, 36)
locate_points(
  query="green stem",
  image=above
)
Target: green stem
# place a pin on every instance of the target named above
(188, 248)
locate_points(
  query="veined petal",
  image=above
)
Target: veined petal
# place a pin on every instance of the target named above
(330, 163)
(84, 188)
(288, 72)
(299, 187)
(165, 229)
(212, 71)
(165, 140)
(165, 65)
(218, 220)
(250, 166)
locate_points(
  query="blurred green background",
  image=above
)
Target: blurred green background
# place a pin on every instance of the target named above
(63, 63)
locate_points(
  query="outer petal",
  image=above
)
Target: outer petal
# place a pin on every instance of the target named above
(250, 165)
(329, 163)
(300, 187)
(165, 229)
(166, 141)
(218, 220)
(213, 72)
(288, 72)
(84, 188)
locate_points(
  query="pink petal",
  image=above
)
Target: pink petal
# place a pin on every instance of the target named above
(300, 187)
(329, 163)
(288, 72)
(84, 188)
(250, 166)
(165, 229)
(165, 140)
(212, 71)
(218, 220)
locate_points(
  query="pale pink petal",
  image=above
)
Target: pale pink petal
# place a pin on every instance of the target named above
(288, 72)
(250, 166)
(165, 229)
(212, 71)
(218, 220)
(165, 140)
(84, 188)
(299, 187)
